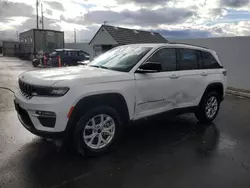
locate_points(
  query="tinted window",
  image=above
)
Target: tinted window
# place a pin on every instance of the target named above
(209, 62)
(167, 59)
(74, 53)
(54, 54)
(83, 54)
(188, 59)
(67, 53)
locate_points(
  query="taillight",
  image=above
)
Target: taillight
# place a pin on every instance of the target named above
(224, 72)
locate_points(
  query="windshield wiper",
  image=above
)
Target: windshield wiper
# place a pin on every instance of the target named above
(99, 66)
(103, 67)
(94, 66)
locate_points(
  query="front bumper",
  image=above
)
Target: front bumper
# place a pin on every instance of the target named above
(26, 122)
(27, 109)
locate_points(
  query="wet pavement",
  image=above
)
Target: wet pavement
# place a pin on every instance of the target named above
(172, 153)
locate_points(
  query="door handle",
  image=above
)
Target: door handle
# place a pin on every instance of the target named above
(203, 74)
(174, 76)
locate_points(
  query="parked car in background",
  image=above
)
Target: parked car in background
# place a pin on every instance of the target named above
(91, 104)
(68, 57)
(61, 57)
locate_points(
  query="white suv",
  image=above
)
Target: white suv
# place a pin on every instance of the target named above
(91, 104)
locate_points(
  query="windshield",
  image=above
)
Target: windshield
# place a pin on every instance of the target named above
(122, 58)
(53, 54)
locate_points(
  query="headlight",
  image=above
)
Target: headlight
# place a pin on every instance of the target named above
(49, 91)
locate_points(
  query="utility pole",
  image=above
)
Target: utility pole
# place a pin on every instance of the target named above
(75, 34)
(37, 17)
(17, 36)
(42, 16)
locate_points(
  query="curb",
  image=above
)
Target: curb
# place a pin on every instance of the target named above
(238, 93)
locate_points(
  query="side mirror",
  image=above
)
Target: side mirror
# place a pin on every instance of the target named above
(149, 67)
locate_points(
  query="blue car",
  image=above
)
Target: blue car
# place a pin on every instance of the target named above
(68, 57)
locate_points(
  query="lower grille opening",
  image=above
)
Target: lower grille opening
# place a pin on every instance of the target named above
(25, 117)
(47, 121)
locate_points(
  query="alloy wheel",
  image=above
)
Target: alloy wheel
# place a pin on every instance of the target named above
(211, 106)
(99, 131)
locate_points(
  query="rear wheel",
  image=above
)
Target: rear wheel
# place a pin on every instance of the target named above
(97, 131)
(208, 108)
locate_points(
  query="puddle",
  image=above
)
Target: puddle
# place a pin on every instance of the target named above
(226, 142)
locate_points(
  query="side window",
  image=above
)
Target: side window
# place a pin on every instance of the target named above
(69, 54)
(81, 53)
(166, 57)
(209, 62)
(188, 59)
(74, 54)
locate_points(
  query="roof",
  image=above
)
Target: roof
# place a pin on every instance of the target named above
(132, 36)
(42, 30)
(65, 49)
(173, 45)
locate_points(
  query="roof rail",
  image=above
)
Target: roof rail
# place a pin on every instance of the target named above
(187, 44)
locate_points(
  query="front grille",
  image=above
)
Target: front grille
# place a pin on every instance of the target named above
(26, 89)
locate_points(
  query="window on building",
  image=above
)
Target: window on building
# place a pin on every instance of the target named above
(166, 57)
(188, 59)
(209, 62)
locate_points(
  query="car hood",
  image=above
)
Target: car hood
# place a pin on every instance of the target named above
(48, 77)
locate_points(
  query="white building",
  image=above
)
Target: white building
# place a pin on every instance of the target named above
(108, 37)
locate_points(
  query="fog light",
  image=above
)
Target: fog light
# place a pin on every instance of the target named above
(45, 113)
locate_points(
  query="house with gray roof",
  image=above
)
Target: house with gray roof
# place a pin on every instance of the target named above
(108, 37)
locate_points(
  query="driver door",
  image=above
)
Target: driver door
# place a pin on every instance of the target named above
(156, 91)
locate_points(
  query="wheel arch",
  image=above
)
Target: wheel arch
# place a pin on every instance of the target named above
(115, 100)
(217, 86)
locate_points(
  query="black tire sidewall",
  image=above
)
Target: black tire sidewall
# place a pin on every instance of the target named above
(79, 142)
(201, 113)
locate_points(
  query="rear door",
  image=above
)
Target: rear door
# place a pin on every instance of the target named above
(212, 71)
(191, 83)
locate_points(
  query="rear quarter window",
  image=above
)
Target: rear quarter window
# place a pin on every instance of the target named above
(209, 62)
(188, 59)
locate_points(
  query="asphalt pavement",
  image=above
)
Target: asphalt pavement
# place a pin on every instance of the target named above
(168, 153)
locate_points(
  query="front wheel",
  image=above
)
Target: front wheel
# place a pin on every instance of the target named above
(97, 131)
(208, 108)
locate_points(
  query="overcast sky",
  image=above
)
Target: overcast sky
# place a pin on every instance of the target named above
(171, 18)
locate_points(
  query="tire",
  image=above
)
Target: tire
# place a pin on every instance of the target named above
(201, 114)
(35, 62)
(84, 129)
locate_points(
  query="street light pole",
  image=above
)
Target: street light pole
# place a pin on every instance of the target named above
(75, 35)
(42, 16)
(37, 17)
